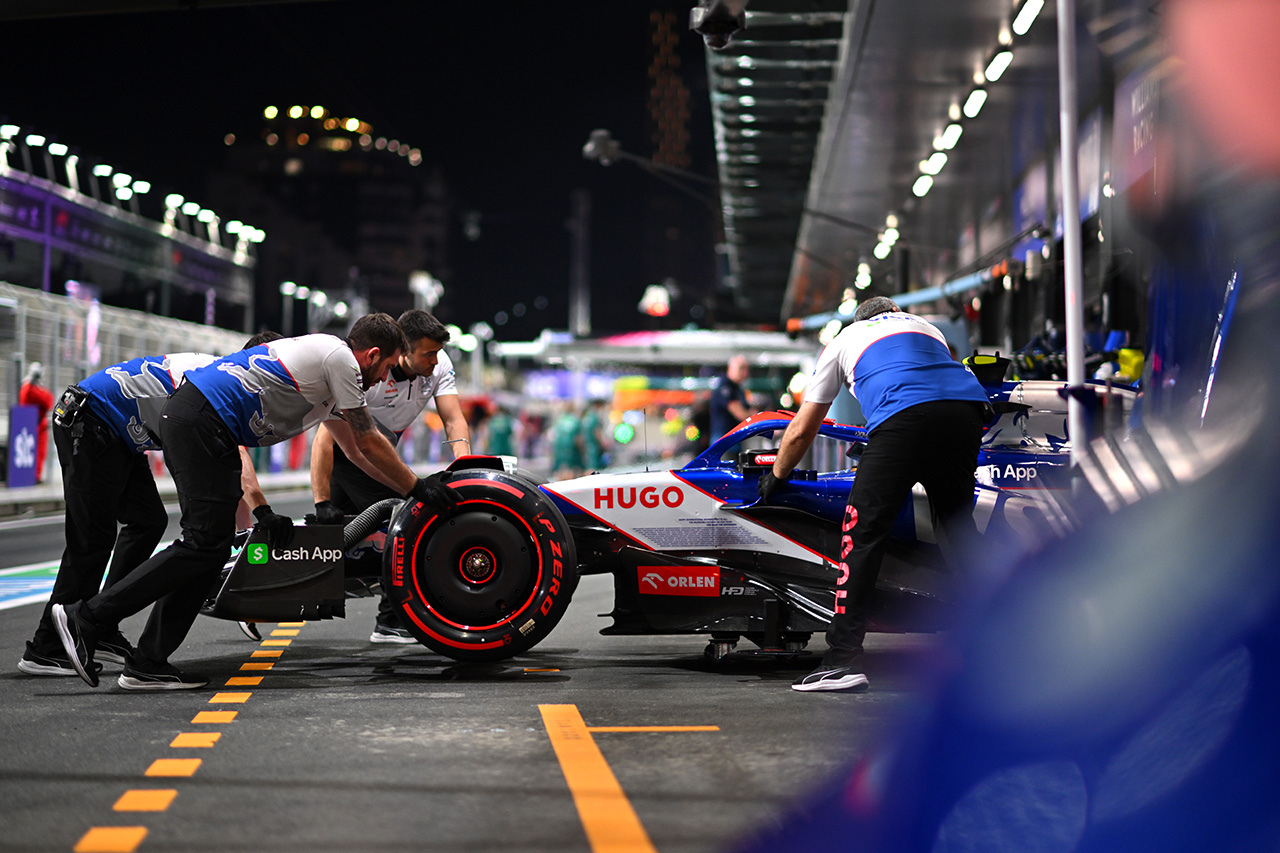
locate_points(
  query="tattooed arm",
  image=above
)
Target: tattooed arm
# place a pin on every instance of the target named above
(374, 448)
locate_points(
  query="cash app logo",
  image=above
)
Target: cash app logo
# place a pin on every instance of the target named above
(258, 554)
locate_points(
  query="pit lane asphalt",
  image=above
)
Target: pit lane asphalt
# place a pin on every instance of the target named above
(349, 746)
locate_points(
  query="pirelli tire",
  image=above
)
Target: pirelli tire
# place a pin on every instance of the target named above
(489, 580)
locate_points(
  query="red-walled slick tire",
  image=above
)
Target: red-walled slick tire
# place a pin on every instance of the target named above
(487, 581)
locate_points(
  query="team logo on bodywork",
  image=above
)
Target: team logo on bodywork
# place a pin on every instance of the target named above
(679, 580)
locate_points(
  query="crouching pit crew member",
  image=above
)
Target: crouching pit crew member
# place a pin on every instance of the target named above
(339, 483)
(256, 397)
(925, 413)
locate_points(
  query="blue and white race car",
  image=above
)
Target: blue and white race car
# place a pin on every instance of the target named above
(691, 550)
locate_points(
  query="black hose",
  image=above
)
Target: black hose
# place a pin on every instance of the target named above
(368, 521)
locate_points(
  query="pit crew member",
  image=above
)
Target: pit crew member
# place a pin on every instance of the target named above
(925, 413)
(340, 485)
(256, 397)
(101, 430)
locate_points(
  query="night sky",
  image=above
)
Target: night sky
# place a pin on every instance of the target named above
(500, 96)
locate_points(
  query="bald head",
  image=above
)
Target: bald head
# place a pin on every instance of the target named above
(739, 367)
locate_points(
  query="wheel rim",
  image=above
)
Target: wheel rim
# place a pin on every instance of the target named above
(484, 568)
(477, 565)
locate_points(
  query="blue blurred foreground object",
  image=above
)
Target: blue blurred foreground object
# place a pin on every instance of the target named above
(1121, 695)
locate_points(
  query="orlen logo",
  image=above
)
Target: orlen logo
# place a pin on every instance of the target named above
(679, 580)
(649, 497)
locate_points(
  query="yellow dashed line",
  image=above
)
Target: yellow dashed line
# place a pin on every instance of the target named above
(111, 839)
(126, 839)
(173, 767)
(230, 698)
(148, 800)
(547, 669)
(214, 717)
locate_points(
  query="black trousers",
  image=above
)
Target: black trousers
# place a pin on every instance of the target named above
(104, 484)
(934, 444)
(204, 459)
(353, 491)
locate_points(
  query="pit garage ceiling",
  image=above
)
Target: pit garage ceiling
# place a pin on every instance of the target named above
(824, 110)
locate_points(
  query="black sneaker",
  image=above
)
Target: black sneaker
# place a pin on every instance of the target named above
(387, 634)
(145, 675)
(33, 663)
(831, 678)
(114, 648)
(250, 630)
(78, 639)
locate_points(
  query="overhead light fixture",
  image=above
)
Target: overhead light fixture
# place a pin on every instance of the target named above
(270, 113)
(746, 81)
(951, 136)
(1027, 16)
(934, 164)
(57, 149)
(173, 201)
(922, 186)
(882, 250)
(9, 131)
(191, 208)
(746, 101)
(124, 193)
(890, 236)
(999, 64)
(35, 140)
(973, 104)
(121, 179)
(318, 112)
(233, 227)
(102, 170)
(141, 187)
(205, 215)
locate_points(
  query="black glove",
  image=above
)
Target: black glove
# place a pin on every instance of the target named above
(769, 484)
(327, 513)
(433, 492)
(279, 528)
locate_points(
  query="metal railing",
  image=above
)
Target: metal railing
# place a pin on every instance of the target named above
(73, 338)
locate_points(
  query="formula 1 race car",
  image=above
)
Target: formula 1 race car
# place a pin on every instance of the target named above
(691, 550)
